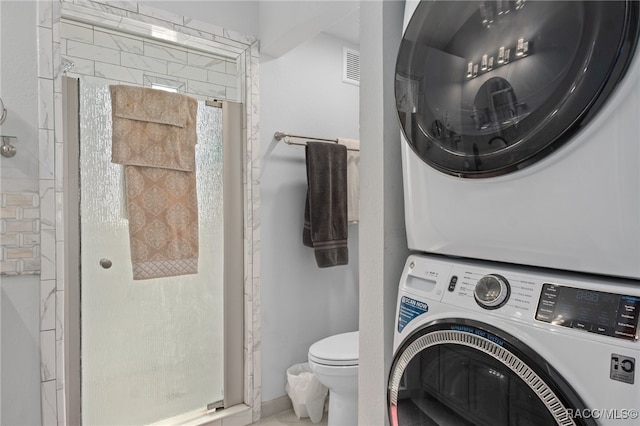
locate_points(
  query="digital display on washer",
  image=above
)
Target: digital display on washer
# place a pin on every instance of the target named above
(610, 314)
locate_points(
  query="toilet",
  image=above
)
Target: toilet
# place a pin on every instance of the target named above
(334, 361)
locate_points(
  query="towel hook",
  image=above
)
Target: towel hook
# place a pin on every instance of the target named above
(3, 112)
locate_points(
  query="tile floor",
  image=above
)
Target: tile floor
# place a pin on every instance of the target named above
(287, 418)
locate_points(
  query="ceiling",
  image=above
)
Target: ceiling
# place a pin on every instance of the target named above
(347, 29)
(285, 25)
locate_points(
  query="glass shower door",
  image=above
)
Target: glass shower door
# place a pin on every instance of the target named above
(151, 349)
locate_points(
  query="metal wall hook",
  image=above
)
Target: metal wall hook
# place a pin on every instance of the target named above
(3, 112)
(66, 65)
(7, 150)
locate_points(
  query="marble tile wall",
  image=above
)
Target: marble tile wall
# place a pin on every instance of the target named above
(50, 184)
(104, 53)
(109, 56)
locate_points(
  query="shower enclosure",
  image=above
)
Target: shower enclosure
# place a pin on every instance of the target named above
(152, 350)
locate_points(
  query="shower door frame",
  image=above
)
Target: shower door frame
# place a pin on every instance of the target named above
(57, 398)
(233, 214)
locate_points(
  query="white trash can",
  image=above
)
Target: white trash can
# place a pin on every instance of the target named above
(306, 392)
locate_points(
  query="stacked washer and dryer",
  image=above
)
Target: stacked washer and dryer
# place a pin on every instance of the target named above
(521, 159)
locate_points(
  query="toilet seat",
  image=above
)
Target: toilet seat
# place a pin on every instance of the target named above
(338, 350)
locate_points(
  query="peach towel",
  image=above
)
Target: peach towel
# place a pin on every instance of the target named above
(154, 136)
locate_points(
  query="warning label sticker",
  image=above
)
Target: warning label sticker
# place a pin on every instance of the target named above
(410, 309)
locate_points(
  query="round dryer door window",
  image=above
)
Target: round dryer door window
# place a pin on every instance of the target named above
(463, 373)
(484, 88)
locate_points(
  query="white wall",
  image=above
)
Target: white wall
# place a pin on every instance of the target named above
(301, 92)
(382, 239)
(19, 90)
(19, 295)
(20, 377)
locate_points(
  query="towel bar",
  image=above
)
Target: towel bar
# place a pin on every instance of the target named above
(281, 135)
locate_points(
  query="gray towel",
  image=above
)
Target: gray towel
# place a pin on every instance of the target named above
(325, 212)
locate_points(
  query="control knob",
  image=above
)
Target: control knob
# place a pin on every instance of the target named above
(492, 291)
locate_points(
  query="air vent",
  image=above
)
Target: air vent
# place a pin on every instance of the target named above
(350, 66)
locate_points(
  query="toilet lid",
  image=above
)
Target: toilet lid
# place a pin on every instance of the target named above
(341, 349)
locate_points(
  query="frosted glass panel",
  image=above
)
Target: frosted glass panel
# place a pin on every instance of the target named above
(151, 349)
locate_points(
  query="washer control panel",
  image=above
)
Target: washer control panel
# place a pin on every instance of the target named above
(603, 305)
(611, 314)
(505, 293)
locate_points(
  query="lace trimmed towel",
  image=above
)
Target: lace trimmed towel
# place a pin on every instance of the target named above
(154, 137)
(353, 178)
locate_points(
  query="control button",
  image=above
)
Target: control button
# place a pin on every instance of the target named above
(452, 283)
(624, 335)
(623, 325)
(601, 329)
(492, 291)
(549, 304)
(581, 325)
(627, 317)
(543, 316)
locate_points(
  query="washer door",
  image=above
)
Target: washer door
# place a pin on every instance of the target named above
(484, 88)
(462, 372)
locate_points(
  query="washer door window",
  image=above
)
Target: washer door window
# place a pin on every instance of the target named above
(461, 372)
(484, 88)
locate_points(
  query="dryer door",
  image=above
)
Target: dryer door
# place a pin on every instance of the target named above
(461, 372)
(484, 88)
